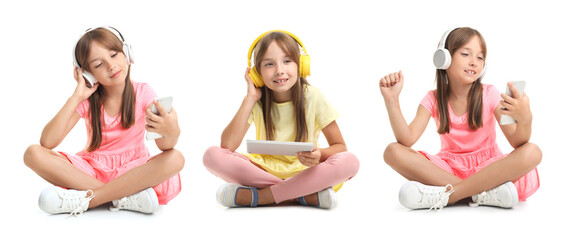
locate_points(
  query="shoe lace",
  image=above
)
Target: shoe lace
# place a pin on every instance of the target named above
(486, 198)
(438, 198)
(76, 202)
(128, 202)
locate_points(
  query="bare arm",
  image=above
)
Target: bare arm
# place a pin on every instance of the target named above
(335, 141)
(336, 144)
(406, 134)
(58, 128)
(55, 131)
(234, 132)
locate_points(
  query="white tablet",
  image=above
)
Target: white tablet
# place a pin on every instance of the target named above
(277, 147)
(166, 102)
(506, 119)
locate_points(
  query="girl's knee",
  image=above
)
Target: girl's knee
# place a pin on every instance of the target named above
(351, 162)
(532, 154)
(176, 159)
(212, 157)
(391, 153)
(31, 155)
(209, 155)
(347, 164)
(171, 161)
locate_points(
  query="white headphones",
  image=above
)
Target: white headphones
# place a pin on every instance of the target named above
(126, 50)
(442, 57)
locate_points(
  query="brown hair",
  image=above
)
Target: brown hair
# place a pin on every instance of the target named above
(292, 50)
(110, 41)
(456, 39)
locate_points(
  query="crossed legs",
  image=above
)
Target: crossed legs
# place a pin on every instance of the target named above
(235, 168)
(415, 167)
(56, 169)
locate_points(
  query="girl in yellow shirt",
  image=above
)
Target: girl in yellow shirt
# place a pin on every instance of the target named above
(283, 107)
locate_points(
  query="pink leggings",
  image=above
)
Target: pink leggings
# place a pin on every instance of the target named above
(236, 168)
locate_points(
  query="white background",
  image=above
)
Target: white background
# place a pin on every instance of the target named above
(196, 52)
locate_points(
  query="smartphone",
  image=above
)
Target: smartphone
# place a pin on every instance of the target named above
(505, 119)
(166, 102)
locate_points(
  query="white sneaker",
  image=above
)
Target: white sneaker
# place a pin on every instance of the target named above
(54, 200)
(145, 201)
(505, 196)
(415, 195)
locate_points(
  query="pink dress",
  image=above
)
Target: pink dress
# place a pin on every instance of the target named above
(121, 149)
(465, 152)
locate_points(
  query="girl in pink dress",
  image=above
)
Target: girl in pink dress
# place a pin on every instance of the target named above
(470, 163)
(115, 165)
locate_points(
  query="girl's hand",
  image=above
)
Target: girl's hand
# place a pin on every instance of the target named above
(165, 123)
(391, 85)
(310, 159)
(517, 107)
(82, 91)
(253, 93)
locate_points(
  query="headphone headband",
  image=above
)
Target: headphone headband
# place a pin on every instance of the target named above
(444, 38)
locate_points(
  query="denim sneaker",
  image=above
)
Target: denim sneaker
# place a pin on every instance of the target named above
(326, 199)
(226, 195)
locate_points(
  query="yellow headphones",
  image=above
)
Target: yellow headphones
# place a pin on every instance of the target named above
(304, 59)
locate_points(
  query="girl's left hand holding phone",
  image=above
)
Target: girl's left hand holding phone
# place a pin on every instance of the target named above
(310, 159)
(517, 107)
(164, 123)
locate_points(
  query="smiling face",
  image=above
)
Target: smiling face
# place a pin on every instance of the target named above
(467, 62)
(108, 66)
(279, 72)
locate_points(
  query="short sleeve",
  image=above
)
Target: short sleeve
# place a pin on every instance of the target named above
(429, 102)
(325, 111)
(83, 108)
(492, 97)
(145, 95)
(256, 112)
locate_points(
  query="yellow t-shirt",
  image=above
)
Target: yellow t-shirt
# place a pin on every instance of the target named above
(319, 114)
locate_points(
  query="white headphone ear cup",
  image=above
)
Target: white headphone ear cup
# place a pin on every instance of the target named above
(128, 53)
(90, 78)
(442, 58)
